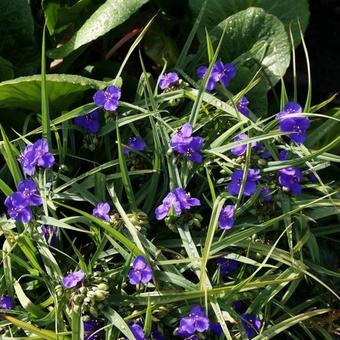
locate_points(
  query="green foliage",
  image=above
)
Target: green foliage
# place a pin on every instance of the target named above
(108, 16)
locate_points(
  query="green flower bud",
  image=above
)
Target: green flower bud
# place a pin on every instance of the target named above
(103, 286)
(93, 311)
(101, 295)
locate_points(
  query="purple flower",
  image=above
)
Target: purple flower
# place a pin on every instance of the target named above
(290, 178)
(102, 211)
(251, 324)
(6, 302)
(226, 266)
(108, 99)
(27, 160)
(241, 149)
(135, 143)
(30, 192)
(196, 321)
(250, 185)
(17, 208)
(36, 154)
(137, 330)
(242, 106)
(265, 194)
(43, 157)
(89, 122)
(175, 201)
(170, 202)
(295, 126)
(226, 218)
(90, 327)
(220, 72)
(216, 328)
(185, 200)
(283, 155)
(49, 233)
(259, 148)
(183, 143)
(239, 306)
(140, 272)
(168, 79)
(72, 279)
(156, 334)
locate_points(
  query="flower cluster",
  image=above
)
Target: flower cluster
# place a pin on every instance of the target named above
(140, 272)
(195, 322)
(89, 122)
(108, 99)
(19, 203)
(174, 202)
(36, 154)
(185, 144)
(251, 177)
(167, 80)
(295, 127)
(220, 73)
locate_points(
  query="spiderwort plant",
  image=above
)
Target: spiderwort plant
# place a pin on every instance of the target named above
(167, 80)
(73, 279)
(140, 272)
(195, 322)
(175, 202)
(108, 99)
(185, 144)
(89, 122)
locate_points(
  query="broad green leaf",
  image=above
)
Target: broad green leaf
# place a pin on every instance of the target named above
(288, 11)
(108, 16)
(255, 38)
(63, 90)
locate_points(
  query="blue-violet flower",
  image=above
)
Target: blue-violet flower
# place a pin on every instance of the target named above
(242, 106)
(49, 233)
(290, 178)
(226, 266)
(6, 302)
(176, 201)
(196, 321)
(18, 208)
(135, 143)
(30, 192)
(90, 327)
(72, 279)
(241, 149)
(102, 211)
(251, 324)
(89, 122)
(108, 99)
(295, 126)
(226, 218)
(168, 79)
(250, 185)
(140, 272)
(137, 330)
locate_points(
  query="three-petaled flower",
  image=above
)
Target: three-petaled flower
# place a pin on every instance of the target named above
(175, 201)
(134, 143)
(185, 144)
(251, 324)
(168, 79)
(89, 122)
(102, 211)
(290, 178)
(6, 302)
(108, 99)
(242, 106)
(240, 150)
(252, 176)
(220, 72)
(140, 272)
(295, 127)
(226, 218)
(72, 279)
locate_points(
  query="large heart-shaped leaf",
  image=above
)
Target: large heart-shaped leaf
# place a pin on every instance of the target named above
(288, 11)
(255, 38)
(108, 16)
(62, 89)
